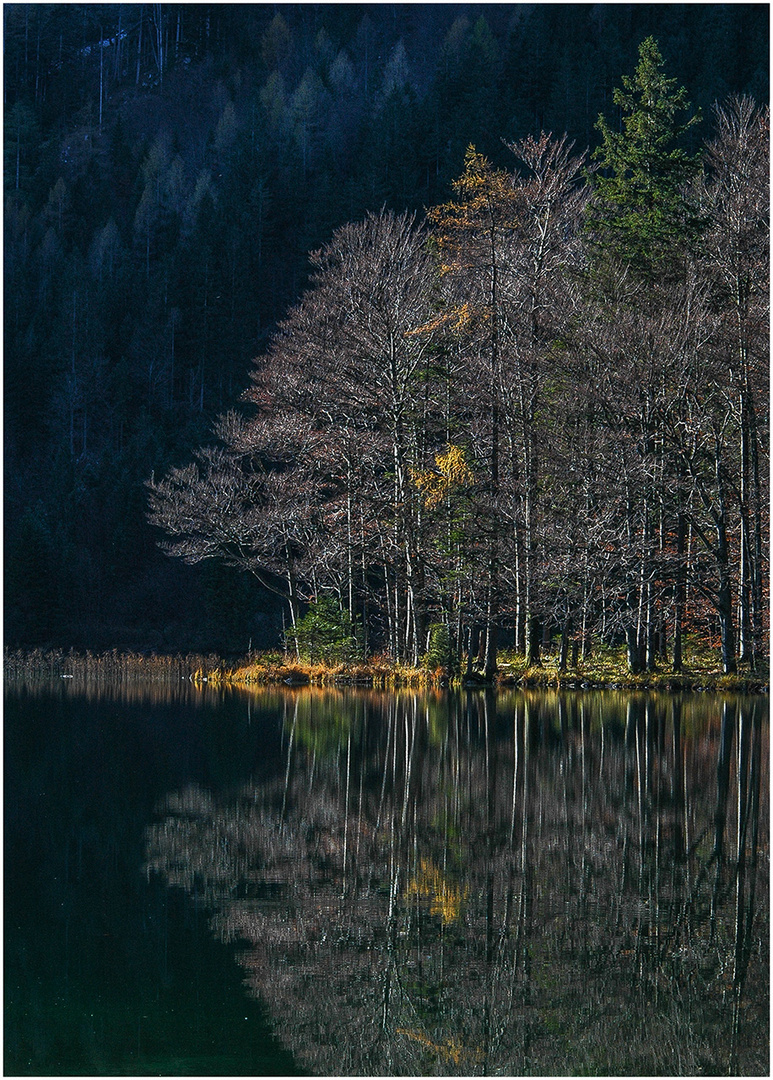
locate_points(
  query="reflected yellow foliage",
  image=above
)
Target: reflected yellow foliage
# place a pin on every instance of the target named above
(451, 1050)
(445, 899)
(328, 874)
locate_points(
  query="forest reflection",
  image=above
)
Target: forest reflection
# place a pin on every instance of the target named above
(526, 883)
(131, 690)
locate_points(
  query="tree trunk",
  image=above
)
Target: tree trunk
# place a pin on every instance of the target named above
(532, 640)
(727, 732)
(679, 582)
(758, 602)
(566, 633)
(724, 592)
(634, 652)
(490, 652)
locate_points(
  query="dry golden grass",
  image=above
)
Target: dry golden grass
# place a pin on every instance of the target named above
(604, 667)
(378, 672)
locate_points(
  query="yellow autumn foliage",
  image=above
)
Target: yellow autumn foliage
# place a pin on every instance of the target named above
(452, 472)
(456, 317)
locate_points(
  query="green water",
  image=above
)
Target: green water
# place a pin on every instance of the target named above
(342, 882)
(108, 972)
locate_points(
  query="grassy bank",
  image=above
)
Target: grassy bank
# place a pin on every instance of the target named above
(604, 667)
(378, 672)
(607, 667)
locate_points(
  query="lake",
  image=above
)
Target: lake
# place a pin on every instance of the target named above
(204, 881)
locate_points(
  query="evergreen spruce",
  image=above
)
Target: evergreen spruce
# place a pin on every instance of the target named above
(641, 215)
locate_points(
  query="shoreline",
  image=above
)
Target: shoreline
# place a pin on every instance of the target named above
(602, 672)
(663, 682)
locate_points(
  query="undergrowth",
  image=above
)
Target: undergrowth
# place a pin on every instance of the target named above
(604, 666)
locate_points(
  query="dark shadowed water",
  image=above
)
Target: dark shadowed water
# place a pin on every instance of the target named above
(345, 882)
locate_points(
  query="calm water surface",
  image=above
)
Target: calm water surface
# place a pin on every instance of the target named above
(342, 882)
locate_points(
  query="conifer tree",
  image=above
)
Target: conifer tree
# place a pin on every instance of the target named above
(642, 228)
(474, 235)
(640, 215)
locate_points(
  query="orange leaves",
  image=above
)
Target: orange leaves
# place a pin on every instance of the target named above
(488, 201)
(456, 319)
(481, 183)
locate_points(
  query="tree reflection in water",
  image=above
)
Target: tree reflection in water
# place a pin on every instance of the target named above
(529, 883)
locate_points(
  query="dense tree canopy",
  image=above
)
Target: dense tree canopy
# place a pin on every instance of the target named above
(167, 170)
(449, 400)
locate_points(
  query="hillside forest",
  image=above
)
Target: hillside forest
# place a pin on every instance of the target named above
(444, 325)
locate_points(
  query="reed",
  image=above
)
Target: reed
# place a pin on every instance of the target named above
(606, 667)
(110, 666)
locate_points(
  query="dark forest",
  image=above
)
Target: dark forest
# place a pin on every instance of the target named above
(169, 169)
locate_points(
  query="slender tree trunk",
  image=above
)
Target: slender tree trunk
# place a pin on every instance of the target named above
(758, 601)
(677, 779)
(349, 544)
(634, 596)
(679, 588)
(492, 600)
(471, 634)
(520, 626)
(744, 552)
(532, 640)
(139, 50)
(726, 735)
(292, 595)
(634, 655)
(160, 21)
(490, 655)
(101, 75)
(566, 633)
(724, 592)
(118, 46)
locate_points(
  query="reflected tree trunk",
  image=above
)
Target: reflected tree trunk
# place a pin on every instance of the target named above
(747, 838)
(677, 782)
(289, 761)
(478, 903)
(724, 757)
(346, 812)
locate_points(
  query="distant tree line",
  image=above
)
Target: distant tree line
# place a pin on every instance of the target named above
(541, 409)
(167, 169)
